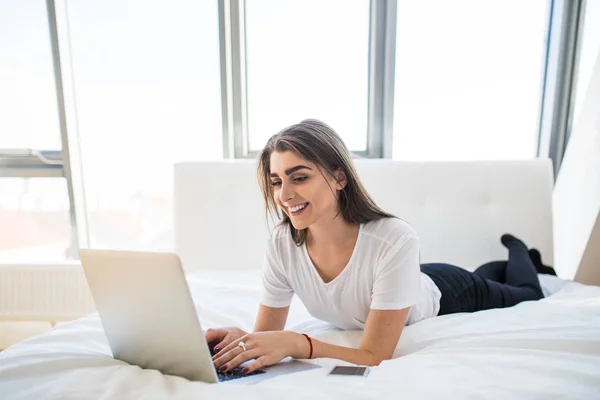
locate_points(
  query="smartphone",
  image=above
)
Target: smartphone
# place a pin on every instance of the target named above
(347, 370)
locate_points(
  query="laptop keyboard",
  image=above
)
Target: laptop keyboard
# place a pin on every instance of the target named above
(236, 373)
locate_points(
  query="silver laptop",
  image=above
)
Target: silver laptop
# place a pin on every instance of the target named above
(149, 317)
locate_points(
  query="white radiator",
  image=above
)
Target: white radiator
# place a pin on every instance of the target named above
(44, 293)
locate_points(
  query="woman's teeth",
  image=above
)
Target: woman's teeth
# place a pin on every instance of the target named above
(298, 207)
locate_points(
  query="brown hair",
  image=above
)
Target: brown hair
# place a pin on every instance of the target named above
(318, 143)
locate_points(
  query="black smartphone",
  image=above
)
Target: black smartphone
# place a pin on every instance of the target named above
(347, 370)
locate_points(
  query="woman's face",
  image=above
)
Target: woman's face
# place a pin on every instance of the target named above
(301, 190)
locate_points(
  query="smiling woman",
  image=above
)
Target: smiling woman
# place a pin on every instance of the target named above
(292, 210)
(350, 263)
(332, 235)
(288, 165)
(300, 195)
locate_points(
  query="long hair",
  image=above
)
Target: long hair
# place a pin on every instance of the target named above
(319, 144)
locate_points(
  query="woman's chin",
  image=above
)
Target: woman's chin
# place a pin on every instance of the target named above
(299, 226)
(299, 223)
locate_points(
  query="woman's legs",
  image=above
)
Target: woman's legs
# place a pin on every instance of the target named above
(463, 291)
(520, 270)
(493, 270)
(536, 258)
(496, 270)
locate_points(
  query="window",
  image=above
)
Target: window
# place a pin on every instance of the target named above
(468, 79)
(147, 87)
(35, 220)
(143, 89)
(34, 202)
(307, 59)
(27, 94)
(588, 53)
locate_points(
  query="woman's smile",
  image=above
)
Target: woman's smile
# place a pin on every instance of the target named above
(296, 210)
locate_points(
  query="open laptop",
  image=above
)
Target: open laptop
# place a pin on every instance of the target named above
(149, 317)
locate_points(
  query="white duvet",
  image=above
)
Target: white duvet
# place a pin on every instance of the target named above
(544, 349)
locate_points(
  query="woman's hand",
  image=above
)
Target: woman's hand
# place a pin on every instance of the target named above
(219, 338)
(267, 348)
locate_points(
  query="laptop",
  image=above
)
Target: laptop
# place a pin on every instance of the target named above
(149, 318)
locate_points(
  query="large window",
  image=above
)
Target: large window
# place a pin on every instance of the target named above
(307, 59)
(589, 49)
(142, 85)
(468, 78)
(34, 207)
(147, 88)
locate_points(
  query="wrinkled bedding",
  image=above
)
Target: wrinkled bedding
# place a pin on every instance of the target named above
(544, 349)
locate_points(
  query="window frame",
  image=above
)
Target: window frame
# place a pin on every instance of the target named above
(557, 100)
(39, 163)
(381, 64)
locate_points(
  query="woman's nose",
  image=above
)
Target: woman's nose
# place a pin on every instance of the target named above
(286, 193)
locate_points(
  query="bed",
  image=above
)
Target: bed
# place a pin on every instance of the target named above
(544, 349)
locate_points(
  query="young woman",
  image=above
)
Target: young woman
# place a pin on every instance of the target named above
(350, 263)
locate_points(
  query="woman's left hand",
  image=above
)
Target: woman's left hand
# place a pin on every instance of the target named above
(267, 348)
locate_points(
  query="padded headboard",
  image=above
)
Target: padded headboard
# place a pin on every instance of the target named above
(459, 209)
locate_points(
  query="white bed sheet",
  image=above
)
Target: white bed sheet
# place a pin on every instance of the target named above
(544, 349)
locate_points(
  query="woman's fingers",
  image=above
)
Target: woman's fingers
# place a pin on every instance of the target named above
(214, 335)
(239, 359)
(222, 344)
(222, 337)
(226, 356)
(259, 363)
(231, 344)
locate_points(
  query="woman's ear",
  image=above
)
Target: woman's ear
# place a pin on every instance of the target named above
(341, 179)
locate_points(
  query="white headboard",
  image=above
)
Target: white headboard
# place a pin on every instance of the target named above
(459, 209)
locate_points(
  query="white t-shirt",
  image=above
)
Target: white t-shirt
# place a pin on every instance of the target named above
(383, 273)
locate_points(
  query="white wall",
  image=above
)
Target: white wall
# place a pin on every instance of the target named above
(589, 268)
(576, 195)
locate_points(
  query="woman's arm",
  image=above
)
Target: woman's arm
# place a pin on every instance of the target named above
(270, 318)
(380, 337)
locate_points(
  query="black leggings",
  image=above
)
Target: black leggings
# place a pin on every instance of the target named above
(464, 291)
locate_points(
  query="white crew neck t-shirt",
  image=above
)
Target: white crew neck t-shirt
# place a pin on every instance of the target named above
(383, 273)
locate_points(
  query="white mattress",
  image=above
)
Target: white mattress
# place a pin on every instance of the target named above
(544, 349)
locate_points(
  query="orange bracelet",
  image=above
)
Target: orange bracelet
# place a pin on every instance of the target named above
(309, 342)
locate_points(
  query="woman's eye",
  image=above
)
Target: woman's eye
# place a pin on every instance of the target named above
(274, 183)
(300, 179)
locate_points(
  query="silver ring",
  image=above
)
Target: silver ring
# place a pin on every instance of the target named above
(242, 345)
